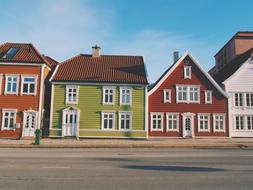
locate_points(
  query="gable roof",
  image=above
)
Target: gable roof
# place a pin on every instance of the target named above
(24, 53)
(103, 69)
(230, 68)
(167, 73)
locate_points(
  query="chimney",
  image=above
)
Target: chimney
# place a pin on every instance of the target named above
(175, 56)
(96, 51)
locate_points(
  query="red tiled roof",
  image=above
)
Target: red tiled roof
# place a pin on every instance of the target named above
(26, 53)
(106, 68)
(51, 61)
(230, 68)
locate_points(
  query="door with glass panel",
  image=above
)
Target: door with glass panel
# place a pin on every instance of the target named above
(70, 123)
(30, 123)
(188, 127)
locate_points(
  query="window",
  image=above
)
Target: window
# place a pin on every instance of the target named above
(249, 100)
(203, 122)
(219, 122)
(208, 97)
(28, 85)
(250, 122)
(125, 121)
(238, 99)
(72, 94)
(167, 96)
(172, 122)
(107, 121)
(125, 96)
(11, 84)
(156, 121)
(8, 119)
(187, 72)
(187, 94)
(108, 95)
(239, 123)
(11, 53)
(1, 79)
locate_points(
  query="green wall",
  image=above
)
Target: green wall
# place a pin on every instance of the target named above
(90, 105)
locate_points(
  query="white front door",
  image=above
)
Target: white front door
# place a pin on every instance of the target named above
(70, 123)
(29, 123)
(188, 127)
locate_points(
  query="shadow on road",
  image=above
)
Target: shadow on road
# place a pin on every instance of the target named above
(174, 168)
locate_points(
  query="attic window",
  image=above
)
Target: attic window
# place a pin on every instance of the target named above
(10, 53)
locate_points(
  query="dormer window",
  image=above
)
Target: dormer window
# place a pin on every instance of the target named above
(187, 72)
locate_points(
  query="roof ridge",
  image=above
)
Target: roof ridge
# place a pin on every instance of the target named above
(112, 55)
(40, 55)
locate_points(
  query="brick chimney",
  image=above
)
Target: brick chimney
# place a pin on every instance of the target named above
(175, 56)
(96, 51)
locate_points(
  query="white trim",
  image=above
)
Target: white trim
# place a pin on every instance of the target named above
(67, 101)
(22, 64)
(51, 107)
(146, 112)
(4, 110)
(55, 71)
(102, 121)
(211, 97)
(1, 80)
(120, 94)
(113, 95)
(190, 72)
(191, 116)
(115, 130)
(25, 113)
(75, 124)
(22, 83)
(6, 84)
(160, 82)
(98, 84)
(188, 101)
(164, 95)
(214, 122)
(208, 122)
(151, 121)
(130, 120)
(167, 120)
(41, 94)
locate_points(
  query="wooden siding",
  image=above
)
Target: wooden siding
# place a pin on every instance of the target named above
(90, 105)
(18, 102)
(156, 104)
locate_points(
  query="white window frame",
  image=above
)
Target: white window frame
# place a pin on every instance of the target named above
(242, 104)
(250, 102)
(172, 119)
(251, 120)
(151, 121)
(219, 120)
(126, 94)
(208, 120)
(210, 93)
(35, 85)
(113, 95)
(1, 80)
(6, 84)
(243, 122)
(185, 72)
(165, 92)
(3, 118)
(102, 121)
(187, 93)
(130, 120)
(68, 87)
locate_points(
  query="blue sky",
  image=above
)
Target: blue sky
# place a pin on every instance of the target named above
(152, 28)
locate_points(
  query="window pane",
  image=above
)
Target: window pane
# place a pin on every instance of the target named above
(32, 88)
(25, 88)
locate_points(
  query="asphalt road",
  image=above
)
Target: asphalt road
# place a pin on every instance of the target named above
(126, 169)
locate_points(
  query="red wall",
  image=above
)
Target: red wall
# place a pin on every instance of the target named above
(19, 102)
(156, 104)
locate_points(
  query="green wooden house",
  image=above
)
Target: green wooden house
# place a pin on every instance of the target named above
(99, 96)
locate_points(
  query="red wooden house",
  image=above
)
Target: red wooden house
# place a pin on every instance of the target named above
(23, 73)
(187, 102)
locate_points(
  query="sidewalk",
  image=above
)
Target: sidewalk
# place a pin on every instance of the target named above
(129, 143)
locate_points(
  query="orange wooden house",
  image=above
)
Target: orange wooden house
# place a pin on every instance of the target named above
(24, 73)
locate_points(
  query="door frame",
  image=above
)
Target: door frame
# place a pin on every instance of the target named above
(64, 112)
(25, 113)
(191, 116)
